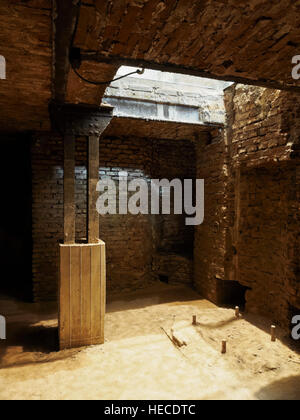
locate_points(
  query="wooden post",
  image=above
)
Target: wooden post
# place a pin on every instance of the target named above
(237, 312)
(69, 189)
(273, 333)
(93, 178)
(82, 295)
(224, 346)
(82, 285)
(194, 320)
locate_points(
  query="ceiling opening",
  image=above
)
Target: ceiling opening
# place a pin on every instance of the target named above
(164, 96)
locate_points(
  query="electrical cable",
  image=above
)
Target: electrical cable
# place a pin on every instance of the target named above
(93, 82)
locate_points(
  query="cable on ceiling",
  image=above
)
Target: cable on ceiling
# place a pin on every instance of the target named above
(108, 82)
(75, 60)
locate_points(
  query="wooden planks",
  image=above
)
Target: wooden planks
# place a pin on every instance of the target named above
(69, 189)
(82, 295)
(93, 178)
(82, 266)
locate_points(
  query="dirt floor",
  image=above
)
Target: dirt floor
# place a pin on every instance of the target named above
(138, 359)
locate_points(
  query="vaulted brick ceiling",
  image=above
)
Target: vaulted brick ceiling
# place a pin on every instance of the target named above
(248, 41)
(226, 39)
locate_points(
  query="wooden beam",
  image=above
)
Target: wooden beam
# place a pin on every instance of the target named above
(65, 13)
(69, 189)
(93, 178)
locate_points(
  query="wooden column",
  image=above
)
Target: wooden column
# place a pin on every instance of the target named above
(82, 283)
(69, 189)
(82, 295)
(93, 178)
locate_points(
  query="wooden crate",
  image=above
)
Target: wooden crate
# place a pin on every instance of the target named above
(82, 295)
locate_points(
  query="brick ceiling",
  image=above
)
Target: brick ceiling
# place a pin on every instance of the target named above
(231, 40)
(227, 39)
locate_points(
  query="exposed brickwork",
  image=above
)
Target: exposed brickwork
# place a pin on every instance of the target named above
(174, 268)
(210, 237)
(131, 241)
(254, 40)
(251, 228)
(47, 214)
(264, 125)
(263, 144)
(268, 231)
(26, 44)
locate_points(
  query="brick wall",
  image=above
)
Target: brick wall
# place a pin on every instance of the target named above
(26, 44)
(47, 214)
(250, 235)
(268, 261)
(263, 150)
(210, 237)
(132, 241)
(264, 125)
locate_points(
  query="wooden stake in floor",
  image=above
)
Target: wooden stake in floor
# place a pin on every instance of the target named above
(237, 311)
(224, 346)
(273, 333)
(194, 320)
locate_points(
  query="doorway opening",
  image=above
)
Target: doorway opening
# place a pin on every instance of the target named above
(16, 219)
(232, 293)
(164, 279)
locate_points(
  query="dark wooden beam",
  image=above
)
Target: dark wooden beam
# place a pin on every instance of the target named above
(174, 68)
(69, 189)
(66, 13)
(93, 177)
(88, 121)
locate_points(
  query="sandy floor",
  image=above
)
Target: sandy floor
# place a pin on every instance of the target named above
(139, 361)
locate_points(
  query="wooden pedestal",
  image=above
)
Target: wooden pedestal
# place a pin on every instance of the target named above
(82, 295)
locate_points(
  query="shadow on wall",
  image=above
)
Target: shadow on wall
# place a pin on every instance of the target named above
(285, 389)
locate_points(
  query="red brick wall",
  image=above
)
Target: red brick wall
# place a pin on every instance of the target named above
(264, 125)
(251, 230)
(263, 146)
(210, 237)
(26, 44)
(268, 261)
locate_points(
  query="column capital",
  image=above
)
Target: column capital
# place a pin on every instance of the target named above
(80, 119)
